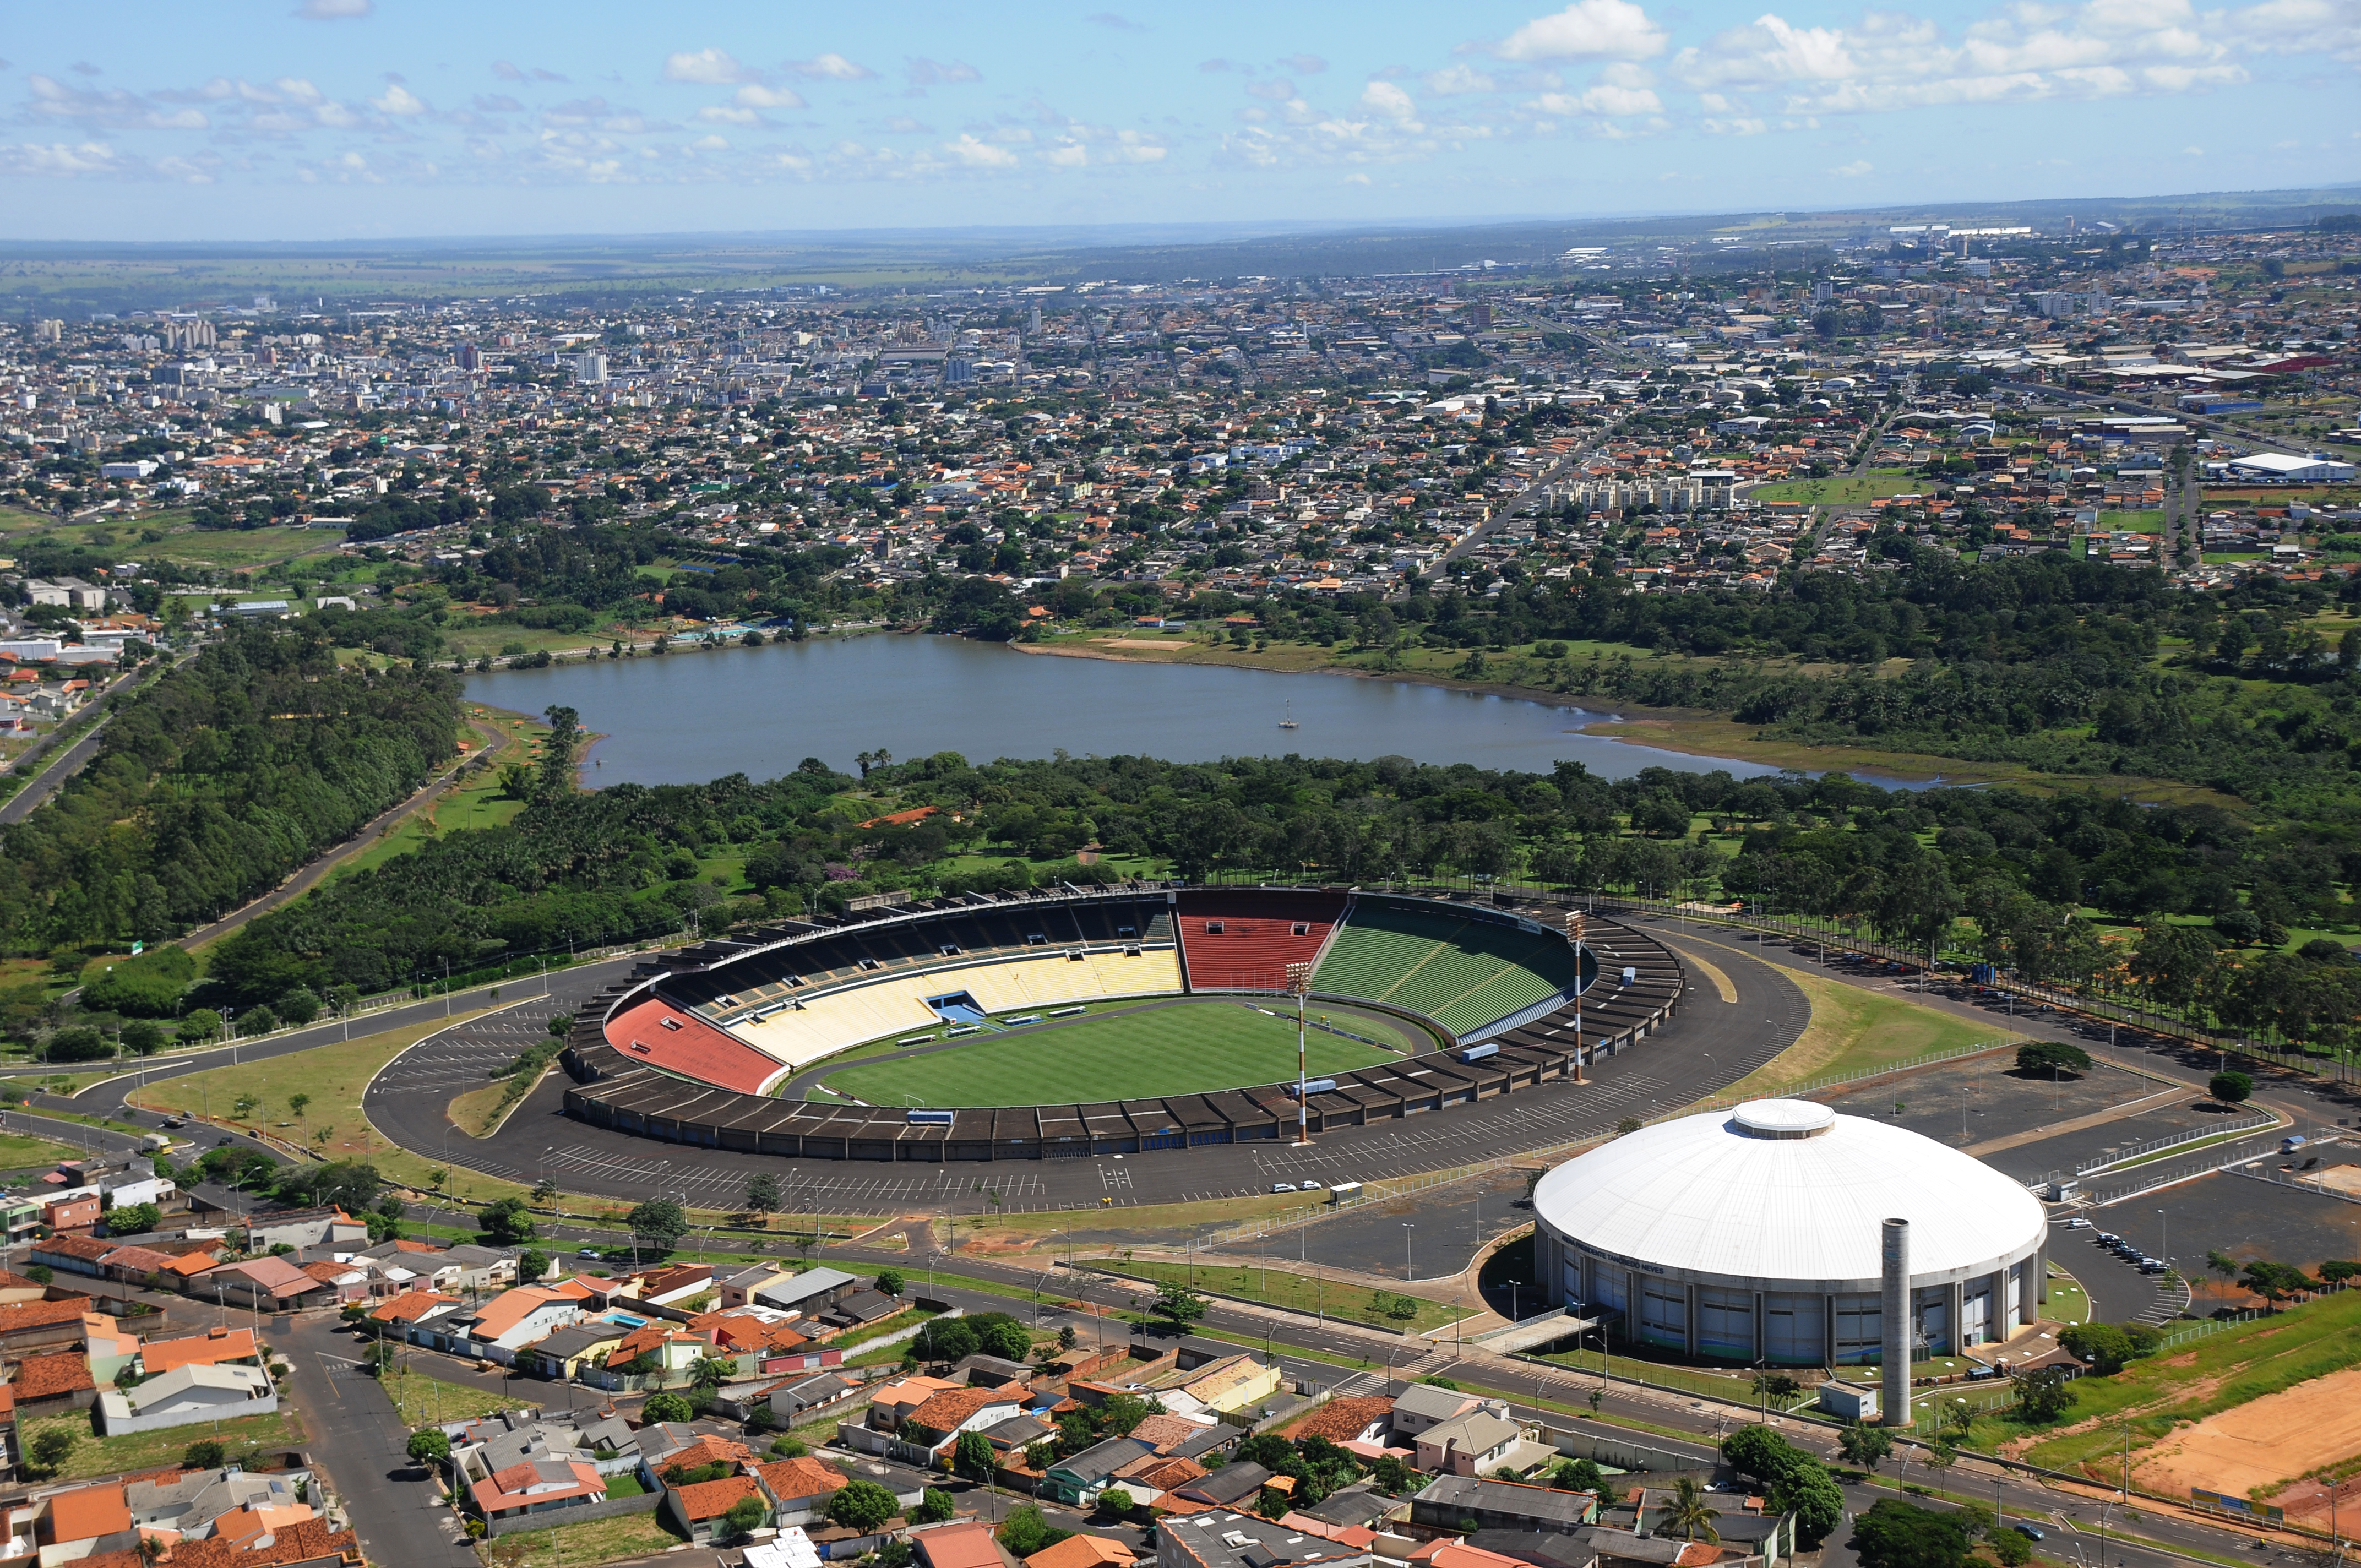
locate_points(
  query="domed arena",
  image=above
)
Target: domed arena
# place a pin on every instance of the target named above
(1763, 1234)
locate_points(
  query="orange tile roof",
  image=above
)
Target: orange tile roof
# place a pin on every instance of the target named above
(1082, 1550)
(410, 1305)
(208, 1349)
(946, 1411)
(695, 1048)
(52, 1376)
(711, 1499)
(1341, 1420)
(965, 1545)
(88, 1512)
(790, 1478)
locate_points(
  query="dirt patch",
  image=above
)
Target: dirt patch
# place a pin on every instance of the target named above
(2266, 1440)
(2186, 1358)
(2344, 1178)
(1143, 642)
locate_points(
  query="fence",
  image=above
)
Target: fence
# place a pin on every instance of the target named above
(580, 1513)
(2171, 1173)
(2157, 1146)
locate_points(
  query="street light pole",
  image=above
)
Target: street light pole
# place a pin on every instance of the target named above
(1576, 928)
(1407, 1227)
(1299, 980)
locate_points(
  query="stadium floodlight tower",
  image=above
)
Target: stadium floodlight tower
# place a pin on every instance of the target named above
(1299, 980)
(1576, 928)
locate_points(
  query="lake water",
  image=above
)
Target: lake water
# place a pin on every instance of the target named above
(687, 717)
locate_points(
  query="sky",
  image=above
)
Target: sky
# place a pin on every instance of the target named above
(371, 119)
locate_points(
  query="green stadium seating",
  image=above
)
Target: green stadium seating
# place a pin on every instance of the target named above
(1462, 972)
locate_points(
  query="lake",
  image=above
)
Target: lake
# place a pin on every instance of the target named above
(687, 717)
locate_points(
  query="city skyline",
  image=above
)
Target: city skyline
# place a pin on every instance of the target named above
(357, 119)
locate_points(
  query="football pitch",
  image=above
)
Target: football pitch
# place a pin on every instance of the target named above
(1183, 1047)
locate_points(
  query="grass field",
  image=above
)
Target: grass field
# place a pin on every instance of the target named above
(1186, 1047)
(1299, 1292)
(1852, 1029)
(1850, 489)
(20, 1153)
(244, 1438)
(586, 1545)
(422, 1400)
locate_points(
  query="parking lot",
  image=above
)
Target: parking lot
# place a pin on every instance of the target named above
(1978, 1101)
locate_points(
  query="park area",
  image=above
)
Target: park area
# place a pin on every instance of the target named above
(1158, 1049)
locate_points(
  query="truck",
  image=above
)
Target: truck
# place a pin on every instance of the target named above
(1343, 1191)
(2291, 1143)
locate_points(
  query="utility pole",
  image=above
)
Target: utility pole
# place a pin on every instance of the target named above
(1299, 980)
(1576, 928)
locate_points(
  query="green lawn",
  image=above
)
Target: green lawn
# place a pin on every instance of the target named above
(586, 1545)
(1303, 1293)
(1183, 1048)
(1852, 1029)
(20, 1153)
(243, 1438)
(1850, 489)
(423, 1400)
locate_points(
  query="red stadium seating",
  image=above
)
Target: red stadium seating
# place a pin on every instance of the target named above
(1244, 941)
(661, 1036)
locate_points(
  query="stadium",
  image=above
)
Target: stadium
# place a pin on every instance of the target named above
(1155, 1013)
(1769, 1233)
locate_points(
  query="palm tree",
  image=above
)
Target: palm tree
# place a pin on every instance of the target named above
(710, 1371)
(1689, 1512)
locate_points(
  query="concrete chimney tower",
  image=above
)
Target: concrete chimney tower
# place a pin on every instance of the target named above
(1895, 1322)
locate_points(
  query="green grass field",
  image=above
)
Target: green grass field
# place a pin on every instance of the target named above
(1850, 490)
(1190, 1047)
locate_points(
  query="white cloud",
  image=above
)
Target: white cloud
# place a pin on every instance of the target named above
(829, 68)
(2100, 49)
(719, 114)
(1455, 78)
(711, 67)
(334, 10)
(925, 73)
(398, 101)
(1390, 101)
(1588, 29)
(60, 159)
(1073, 155)
(976, 154)
(1853, 170)
(755, 95)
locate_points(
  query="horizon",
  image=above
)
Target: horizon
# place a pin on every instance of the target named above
(410, 121)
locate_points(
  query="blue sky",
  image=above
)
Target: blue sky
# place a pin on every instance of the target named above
(335, 119)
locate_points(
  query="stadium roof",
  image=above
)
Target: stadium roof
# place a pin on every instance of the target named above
(1787, 1190)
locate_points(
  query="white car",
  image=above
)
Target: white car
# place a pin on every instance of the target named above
(2078, 1224)
(1282, 1187)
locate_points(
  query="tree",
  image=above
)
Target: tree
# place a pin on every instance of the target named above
(1894, 1534)
(428, 1446)
(2043, 1395)
(199, 1024)
(1689, 1512)
(1024, 1533)
(507, 1222)
(297, 1104)
(1392, 1477)
(2041, 1058)
(1798, 1482)
(51, 1446)
(764, 1194)
(557, 751)
(1176, 1304)
(133, 1219)
(141, 1037)
(533, 1265)
(889, 1282)
(1116, 1501)
(1864, 1445)
(544, 1190)
(2012, 1546)
(666, 1407)
(745, 1516)
(971, 1457)
(710, 1371)
(2275, 1282)
(862, 1506)
(935, 1506)
(660, 1223)
(203, 1454)
(2102, 1347)
(2230, 1088)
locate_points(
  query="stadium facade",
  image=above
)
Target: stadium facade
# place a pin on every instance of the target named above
(1784, 1233)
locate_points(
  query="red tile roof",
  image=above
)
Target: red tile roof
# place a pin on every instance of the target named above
(711, 1499)
(52, 1376)
(17, 1316)
(694, 1048)
(790, 1479)
(211, 1348)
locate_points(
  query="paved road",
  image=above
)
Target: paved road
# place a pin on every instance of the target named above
(364, 837)
(56, 771)
(357, 1437)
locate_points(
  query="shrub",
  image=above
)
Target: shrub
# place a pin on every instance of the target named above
(2230, 1088)
(2102, 1347)
(208, 1455)
(666, 1408)
(2042, 1056)
(427, 1445)
(862, 1506)
(1894, 1534)
(1025, 1532)
(148, 986)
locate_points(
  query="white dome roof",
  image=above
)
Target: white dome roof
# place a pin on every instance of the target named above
(1787, 1190)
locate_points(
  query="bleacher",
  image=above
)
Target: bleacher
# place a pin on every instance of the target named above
(1464, 970)
(1244, 940)
(657, 1034)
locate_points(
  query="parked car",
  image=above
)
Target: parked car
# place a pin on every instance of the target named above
(1282, 1187)
(2078, 1224)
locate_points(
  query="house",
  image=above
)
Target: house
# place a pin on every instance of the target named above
(892, 1404)
(564, 1353)
(810, 1293)
(1149, 1477)
(402, 1314)
(858, 1309)
(946, 1414)
(659, 1351)
(266, 1284)
(737, 1288)
(793, 1400)
(965, 1544)
(186, 1506)
(1078, 1479)
(186, 1395)
(1466, 1444)
(107, 1348)
(537, 1486)
(1238, 1480)
(1083, 1550)
(1223, 1538)
(215, 1347)
(800, 1489)
(345, 1281)
(26, 1324)
(61, 1527)
(1233, 1383)
(1421, 1405)
(678, 1286)
(699, 1509)
(69, 1254)
(302, 1228)
(52, 1383)
(1447, 1552)
(505, 1324)
(1443, 1502)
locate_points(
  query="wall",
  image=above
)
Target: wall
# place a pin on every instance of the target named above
(605, 1509)
(187, 1416)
